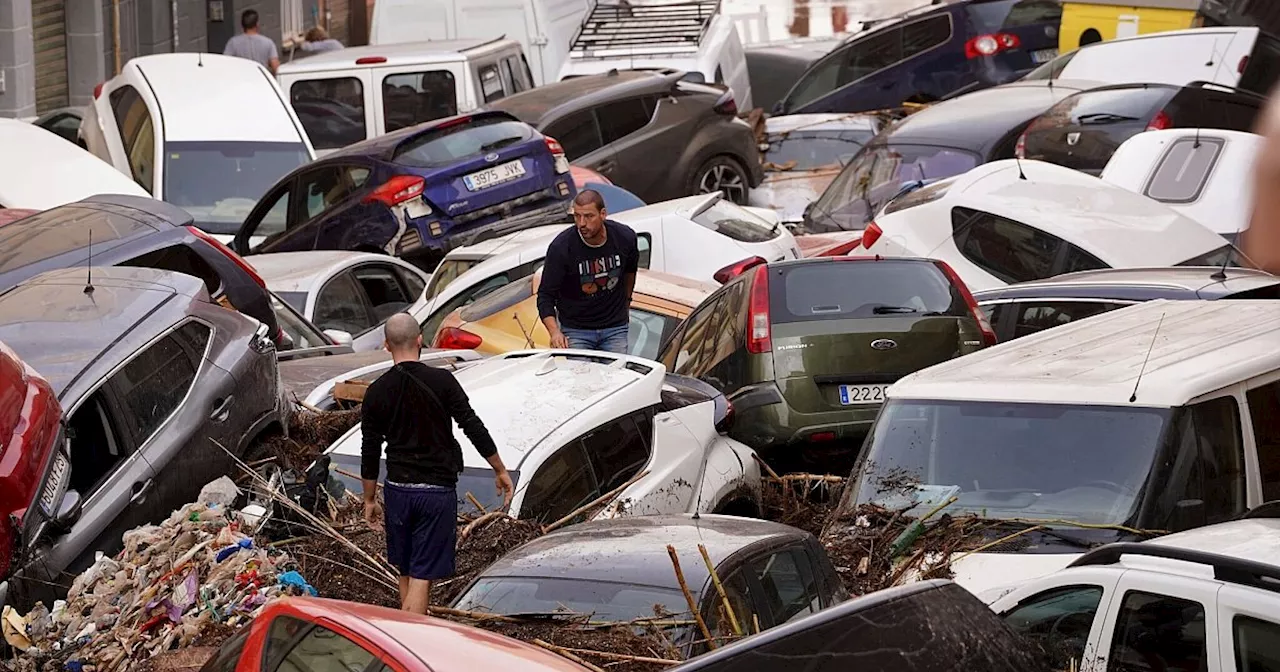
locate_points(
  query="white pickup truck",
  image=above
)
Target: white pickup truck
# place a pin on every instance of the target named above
(1205, 600)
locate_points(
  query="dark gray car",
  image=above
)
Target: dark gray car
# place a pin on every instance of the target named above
(620, 570)
(151, 377)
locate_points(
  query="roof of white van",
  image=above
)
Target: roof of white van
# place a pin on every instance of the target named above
(1200, 347)
(36, 160)
(247, 106)
(406, 53)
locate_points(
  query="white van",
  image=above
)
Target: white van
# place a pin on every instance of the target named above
(206, 132)
(1163, 416)
(354, 94)
(1206, 174)
(543, 27)
(694, 36)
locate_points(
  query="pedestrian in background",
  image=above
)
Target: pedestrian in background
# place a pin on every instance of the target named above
(253, 45)
(317, 40)
(1262, 239)
(412, 408)
(587, 279)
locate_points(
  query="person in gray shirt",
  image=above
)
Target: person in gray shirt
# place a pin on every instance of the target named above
(253, 45)
(317, 40)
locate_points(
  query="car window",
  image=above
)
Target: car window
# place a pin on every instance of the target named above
(1264, 411)
(319, 650)
(738, 592)
(1159, 633)
(1057, 623)
(1263, 67)
(136, 133)
(789, 587)
(340, 305)
(806, 150)
(381, 284)
(331, 110)
(1038, 316)
(926, 34)
(228, 656)
(622, 118)
(155, 382)
(691, 359)
(498, 300)
(490, 83)
(410, 98)
(994, 17)
(1109, 106)
(432, 325)
(619, 449)
(446, 146)
(276, 216)
(300, 333)
(1204, 463)
(1079, 260)
(1004, 248)
(577, 133)
(876, 175)
(562, 484)
(180, 259)
(413, 283)
(1183, 170)
(736, 223)
(816, 82)
(871, 55)
(97, 438)
(322, 190)
(861, 289)
(644, 247)
(446, 272)
(1257, 644)
(647, 331)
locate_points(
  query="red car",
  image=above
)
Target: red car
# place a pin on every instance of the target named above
(302, 633)
(30, 427)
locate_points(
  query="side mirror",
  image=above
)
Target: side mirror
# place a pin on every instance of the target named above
(1188, 514)
(68, 511)
(724, 423)
(340, 337)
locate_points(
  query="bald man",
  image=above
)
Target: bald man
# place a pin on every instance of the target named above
(1262, 238)
(412, 408)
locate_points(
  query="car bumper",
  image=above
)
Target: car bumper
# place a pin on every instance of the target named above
(766, 422)
(551, 213)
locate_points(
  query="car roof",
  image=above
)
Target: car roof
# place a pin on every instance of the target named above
(405, 53)
(680, 289)
(248, 107)
(35, 158)
(384, 146)
(61, 330)
(859, 121)
(1253, 539)
(634, 549)
(299, 271)
(536, 104)
(442, 645)
(1171, 351)
(1158, 282)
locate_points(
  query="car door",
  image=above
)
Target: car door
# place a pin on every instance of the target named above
(787, 584)
(383, 288)
(632, 132)
(341, 304)
(579, 135)
(1063, 619)
(620, 449)
(267, 221)
(1029, 317)
(561, 484)
(330, 210)
(745, 612)
(1160, 621)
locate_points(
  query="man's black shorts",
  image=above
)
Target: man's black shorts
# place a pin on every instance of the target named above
(422, 529)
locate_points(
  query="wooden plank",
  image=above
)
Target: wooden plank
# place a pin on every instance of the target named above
(350, 390)
(49, 36)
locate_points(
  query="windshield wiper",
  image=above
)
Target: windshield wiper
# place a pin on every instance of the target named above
(1103, 118)
(1047, 531)
(498, 144)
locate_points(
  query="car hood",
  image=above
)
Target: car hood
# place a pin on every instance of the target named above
(789, 192)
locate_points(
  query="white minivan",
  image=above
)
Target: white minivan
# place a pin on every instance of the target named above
(205, 132)
(1159, 417)
(354, 94)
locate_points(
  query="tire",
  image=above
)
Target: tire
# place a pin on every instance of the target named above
(725, 175)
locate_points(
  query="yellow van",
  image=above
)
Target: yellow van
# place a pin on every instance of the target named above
(1088, 21)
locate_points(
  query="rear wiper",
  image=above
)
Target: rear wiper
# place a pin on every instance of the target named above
(887, 310)
(1103, 118)
(497, 144)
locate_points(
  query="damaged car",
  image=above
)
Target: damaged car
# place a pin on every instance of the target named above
(154, 380)
(576, 427)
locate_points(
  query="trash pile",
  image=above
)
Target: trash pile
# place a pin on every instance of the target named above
(196, 574)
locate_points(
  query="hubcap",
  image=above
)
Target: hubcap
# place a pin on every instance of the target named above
(725, 180)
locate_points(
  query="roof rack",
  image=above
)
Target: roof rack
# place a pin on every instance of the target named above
(1225, 568)
(1200, 84)
(643, 28)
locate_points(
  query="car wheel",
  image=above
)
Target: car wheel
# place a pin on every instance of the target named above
(724, 175)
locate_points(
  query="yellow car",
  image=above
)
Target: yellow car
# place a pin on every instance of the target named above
(507, 319)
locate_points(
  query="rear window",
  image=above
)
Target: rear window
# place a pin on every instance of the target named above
(499, 300)
(441, 147)
(1227, 253)
(993, 17)
(804, 150)
(1184, 170)
(1110, 106)
(220, 182)
(61, 230)
(841, 289)
(1053, 69)
(180, 259)
(878, 174)
(926, 194)
(331, 110)
(1263, 68)
(734, 221)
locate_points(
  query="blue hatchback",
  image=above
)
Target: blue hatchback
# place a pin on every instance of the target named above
(417, 192)
(929, 53)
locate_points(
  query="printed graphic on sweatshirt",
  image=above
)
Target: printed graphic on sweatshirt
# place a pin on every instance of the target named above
(599, 275)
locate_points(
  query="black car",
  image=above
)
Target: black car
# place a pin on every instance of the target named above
(774, 67)
(943, 140)
(116, 230)
(1086, 128)
(1025, 308)
(618, 123)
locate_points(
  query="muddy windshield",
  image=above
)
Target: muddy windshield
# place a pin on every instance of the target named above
(605, 601)
(1083, 464)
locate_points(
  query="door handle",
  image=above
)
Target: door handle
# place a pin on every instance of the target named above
(607, 167)
(140, 491)
(221, 409)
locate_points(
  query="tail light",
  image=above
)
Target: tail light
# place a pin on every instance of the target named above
(841, 249)
(759, 340)
(990, 45)
(371, 60)
(871, 235)
(239, 260)
(737, 268)
(988, 334)
(726, 105)
(397, 190)
(557, 153)
(820, 437)
(1160, 122)
(453, 338)
(1244, 63)
(97, 90)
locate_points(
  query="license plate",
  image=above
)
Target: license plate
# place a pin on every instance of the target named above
(495, 175)
(416, 207)
(1043, 55)
(851, 395)
(53, 487)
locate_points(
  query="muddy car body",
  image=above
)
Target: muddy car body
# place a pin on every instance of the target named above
(573, 426)
(152, 377)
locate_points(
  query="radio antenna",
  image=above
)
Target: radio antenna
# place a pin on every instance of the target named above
(1021, 175)
(1134, 397)
(88, 283)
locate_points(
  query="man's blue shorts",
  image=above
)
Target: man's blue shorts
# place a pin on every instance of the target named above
(422, 529)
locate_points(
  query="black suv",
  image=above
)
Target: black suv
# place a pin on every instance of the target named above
(618, 123)
(1085, 129)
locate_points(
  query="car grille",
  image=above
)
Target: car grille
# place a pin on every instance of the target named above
(506, 207)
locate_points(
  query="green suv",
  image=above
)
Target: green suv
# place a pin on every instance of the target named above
(805, 349)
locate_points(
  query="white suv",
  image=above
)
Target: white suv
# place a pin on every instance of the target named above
(1205, 600)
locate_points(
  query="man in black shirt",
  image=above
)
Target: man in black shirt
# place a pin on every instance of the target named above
(587, 279)
(411, 407)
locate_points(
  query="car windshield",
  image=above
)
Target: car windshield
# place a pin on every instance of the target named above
(603, 600)
(447, 272)
(1084, 464)
(220, 182)
(443, 146)
(806, 150)
(878, 174)
(862, 289)
(733, 221)
(301, 333)
(995, 17)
